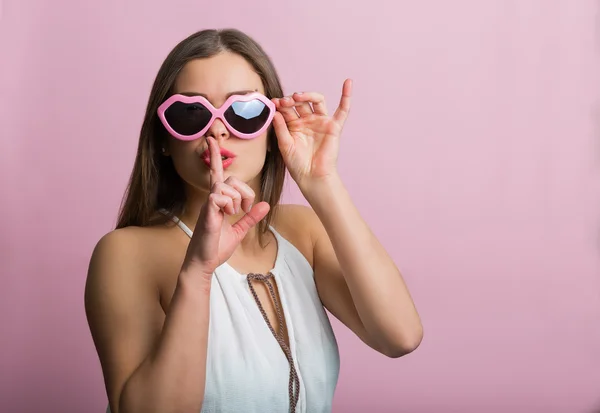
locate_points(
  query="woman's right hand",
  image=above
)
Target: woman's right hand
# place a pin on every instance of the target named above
(215, 238)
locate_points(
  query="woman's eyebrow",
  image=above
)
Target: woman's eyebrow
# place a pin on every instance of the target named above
(237, 92)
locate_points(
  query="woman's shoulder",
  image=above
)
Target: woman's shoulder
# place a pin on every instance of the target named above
(134, 251)
(294, 220)
(132, 241)
(297, 224)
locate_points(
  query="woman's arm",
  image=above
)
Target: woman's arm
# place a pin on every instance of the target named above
(357, 280)
(151, 362)
(151, 365)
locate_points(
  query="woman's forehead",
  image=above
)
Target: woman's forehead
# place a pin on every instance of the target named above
(218, 77)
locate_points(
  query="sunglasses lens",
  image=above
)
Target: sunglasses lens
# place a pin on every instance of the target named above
(187, 118)
(247, 117)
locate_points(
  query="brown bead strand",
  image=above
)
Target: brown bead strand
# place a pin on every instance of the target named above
(294, 380)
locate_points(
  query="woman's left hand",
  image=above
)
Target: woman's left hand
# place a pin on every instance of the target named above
(308, 138)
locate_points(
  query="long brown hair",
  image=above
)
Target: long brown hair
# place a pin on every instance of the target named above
(154, 183)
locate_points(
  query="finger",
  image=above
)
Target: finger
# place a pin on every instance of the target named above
(316, 99)
(285, 106)
(225, 189)
(284, 139)
(244, 190)
(341, 113)
(256, 214)
(219, 202)
(216, 163)
(302, 107)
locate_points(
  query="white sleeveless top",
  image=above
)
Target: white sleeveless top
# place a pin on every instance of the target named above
(247, 370)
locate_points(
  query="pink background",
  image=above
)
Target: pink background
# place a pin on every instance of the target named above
(473, 149)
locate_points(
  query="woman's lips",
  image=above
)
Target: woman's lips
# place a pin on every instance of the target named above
(227, 157)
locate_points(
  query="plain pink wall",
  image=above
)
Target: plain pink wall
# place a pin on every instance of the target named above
(472, 149)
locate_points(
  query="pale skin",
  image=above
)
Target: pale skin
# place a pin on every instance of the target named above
(147, 293)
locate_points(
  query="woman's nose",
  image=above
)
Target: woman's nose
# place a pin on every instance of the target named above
(218, 130)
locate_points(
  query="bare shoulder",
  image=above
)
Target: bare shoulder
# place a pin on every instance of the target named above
(127, 249)
(300, 225)
(120, 246)
(134, 257)
(118, 264)
(141, 247)
(122, 299)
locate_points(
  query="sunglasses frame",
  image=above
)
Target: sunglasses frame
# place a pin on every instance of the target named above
(216, 114)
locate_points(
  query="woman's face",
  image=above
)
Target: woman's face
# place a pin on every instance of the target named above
(216, 78)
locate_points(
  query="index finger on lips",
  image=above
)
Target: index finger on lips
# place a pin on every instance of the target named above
(216, 163)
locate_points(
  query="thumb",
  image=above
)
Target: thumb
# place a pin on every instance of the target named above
(256, 214)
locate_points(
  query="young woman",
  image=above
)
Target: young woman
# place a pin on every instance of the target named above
(230, 316)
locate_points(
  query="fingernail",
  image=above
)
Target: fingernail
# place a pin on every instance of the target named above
(299, 93)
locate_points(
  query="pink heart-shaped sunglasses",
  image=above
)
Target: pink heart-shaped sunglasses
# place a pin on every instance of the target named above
(189, 117)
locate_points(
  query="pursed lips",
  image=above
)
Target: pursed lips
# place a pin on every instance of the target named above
(226, 156)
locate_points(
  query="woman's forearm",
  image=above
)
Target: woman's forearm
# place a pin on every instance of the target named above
(378, 290)
(173, 376)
